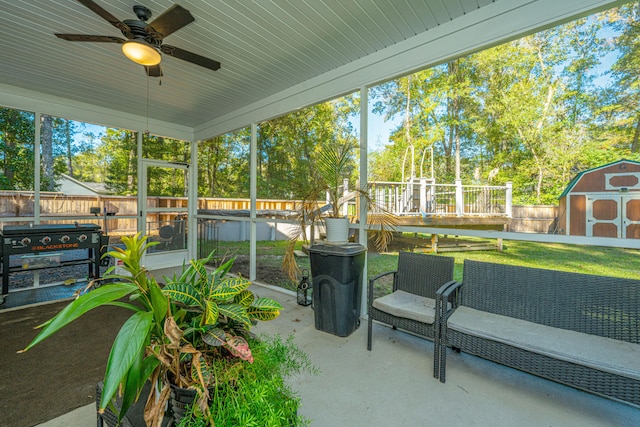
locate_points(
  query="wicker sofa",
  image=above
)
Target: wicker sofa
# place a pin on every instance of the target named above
(577, 329)
(411, 305)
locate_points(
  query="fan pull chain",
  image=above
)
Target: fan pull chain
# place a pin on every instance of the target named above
(146, 132)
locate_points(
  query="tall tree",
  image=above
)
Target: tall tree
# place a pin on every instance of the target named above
(626, 89)
(287, 145)
(46, 147)
(17, 132)
(119, 148)
(223, 165)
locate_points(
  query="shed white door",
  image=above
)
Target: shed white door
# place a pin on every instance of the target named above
(630, 217)
(613, 215)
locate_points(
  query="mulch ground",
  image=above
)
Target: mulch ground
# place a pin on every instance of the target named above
(59, 374)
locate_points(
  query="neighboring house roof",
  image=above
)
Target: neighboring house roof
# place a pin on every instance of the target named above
(70, 185)
(576, 178)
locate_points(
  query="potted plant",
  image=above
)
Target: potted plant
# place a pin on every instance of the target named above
(209, 330)
(331, 166)
(174, 334)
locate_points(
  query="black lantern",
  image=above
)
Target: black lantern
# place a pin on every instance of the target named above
(304, 289)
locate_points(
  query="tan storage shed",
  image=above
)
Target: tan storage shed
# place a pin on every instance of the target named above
(602, 202)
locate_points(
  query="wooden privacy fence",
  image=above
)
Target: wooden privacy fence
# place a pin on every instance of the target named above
(54, 207)
(534, 219)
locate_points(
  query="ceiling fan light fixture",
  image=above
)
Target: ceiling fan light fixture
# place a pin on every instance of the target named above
(141, 53)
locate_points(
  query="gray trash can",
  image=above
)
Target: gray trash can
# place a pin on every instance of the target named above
(336, 271)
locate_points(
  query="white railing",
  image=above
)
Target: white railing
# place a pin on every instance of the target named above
(425, 197)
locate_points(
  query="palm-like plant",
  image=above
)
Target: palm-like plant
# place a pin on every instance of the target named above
(331, 166)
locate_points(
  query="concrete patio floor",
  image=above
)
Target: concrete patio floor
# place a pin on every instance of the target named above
(393, 385)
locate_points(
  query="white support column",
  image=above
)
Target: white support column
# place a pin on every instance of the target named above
(192, 203)
(345, 190)
(423, 195)
(36, 160)
(363, 179)
(459, 198)
(141, 181)
(253, 194)
(509, 200)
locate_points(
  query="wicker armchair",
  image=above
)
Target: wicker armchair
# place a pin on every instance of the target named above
(411, 305)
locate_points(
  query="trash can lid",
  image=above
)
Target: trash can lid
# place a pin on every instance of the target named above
(339, 249)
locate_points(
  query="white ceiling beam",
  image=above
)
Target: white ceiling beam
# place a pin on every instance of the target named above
(26, 100)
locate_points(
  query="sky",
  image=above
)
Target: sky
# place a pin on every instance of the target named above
(379, 130)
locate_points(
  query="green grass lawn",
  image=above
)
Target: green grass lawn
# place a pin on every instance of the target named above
(599, 260)
(604, 261)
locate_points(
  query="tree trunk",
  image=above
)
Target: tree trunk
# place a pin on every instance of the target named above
(67, 134)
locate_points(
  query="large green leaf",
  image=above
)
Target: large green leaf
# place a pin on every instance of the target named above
(126, 347)
(137, 376)
(266, 304)
(201, 269)
(261, 314)
(131, 384)
(244, 298)
(223, 293)
(236, 283)
(183, 293)
(158, 301)
(211, 313)
(235, 312)
(124, 305)
(264, 309)
(215, 337)
(95, 298)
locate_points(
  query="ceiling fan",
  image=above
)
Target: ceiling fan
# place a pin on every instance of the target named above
(145, 41)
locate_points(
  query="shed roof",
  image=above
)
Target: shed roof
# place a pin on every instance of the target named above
(576, 178)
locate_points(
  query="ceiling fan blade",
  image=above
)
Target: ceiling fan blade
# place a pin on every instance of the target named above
(153, 70)
(176, 52)
(105, 15)
(171, 20)
(90, 38)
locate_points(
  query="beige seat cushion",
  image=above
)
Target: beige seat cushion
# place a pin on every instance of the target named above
(605, 354)
(407, 305)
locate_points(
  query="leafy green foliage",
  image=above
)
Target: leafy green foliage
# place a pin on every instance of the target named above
(16, 149)
(534, 111)
(211, 318)
(211, 299)
(223, 165)
(259, 395)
